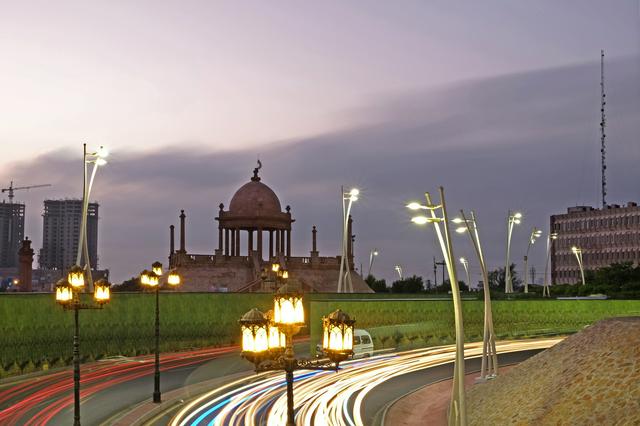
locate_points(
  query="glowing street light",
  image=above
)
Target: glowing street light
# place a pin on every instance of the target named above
(535, 234)
(512, 219)
(457, 410)
(551, 238)
(578, 253)
(372, 256)
(398, 269)
(489, 366)
(465, 265)
(348, 198)
(151, 279)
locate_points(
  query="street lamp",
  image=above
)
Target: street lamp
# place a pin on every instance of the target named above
(398, 269)
(267, 340)
(97, 158)
(348, 198)
(372, 256)
(551, 238)
(67, 294)
(465, 265)
(578, 253)
(457, 411)
(512, 219)
(489, 367)
(151, 279)
(535, 234)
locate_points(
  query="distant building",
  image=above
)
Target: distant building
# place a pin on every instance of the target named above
(11, 233)
(605, 236)
(60, 233)
(253, 233)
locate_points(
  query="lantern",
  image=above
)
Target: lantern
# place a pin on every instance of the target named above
(173, 278)
(75, 277)
(144, 277)
(101, 291)
(255, 340)
(337, 335)
(277, 339)
(156, 267)
(64, 293)
(154, 280)
(288, 309)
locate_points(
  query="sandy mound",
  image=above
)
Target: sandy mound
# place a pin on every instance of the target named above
(592, 377)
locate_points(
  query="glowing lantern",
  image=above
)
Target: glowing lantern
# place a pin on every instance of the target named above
(64, 293)
(337, 331)
(102, 291)
(173, 278)
(288, 308)
(75, 277)
(255, 340)
(144, 277)
(156, 267)
(277, 339)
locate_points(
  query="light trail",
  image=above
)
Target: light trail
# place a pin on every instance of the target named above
(323, 398)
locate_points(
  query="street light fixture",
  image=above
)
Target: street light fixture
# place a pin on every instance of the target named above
(68, 296)
(151, 279)
(344, 279)
(372, 256)
(578, 253)
(535, 234)
(465, 265)
(512, 219)
(551, 238)
(489, 367)
(457, 410)
(267, 340)
(398, 269)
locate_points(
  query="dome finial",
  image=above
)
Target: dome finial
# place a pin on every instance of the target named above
(255, 177)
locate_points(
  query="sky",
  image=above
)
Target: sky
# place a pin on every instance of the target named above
(498, 102)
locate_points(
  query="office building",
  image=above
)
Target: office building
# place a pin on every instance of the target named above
(11, 233)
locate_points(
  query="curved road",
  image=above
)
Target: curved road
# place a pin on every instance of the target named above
(354, 396)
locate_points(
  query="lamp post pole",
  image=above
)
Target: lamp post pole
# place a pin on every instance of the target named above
(465, 265)
(372, 256)
(578, 253)
(76, 365)
(545, 287)
(512, 219)
(344, 279)
(535, 233)
(157, 397)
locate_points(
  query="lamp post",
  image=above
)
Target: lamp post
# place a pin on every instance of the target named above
(151, 279)
(551, 238)
(97, 158)
(372, 256)
(398, 269)
(489, 368)
(465, 265)
(68, 295)
(267, 340)
(578, 253)
(535, 234)
(512, 219)
(457, 411)
(344, 279)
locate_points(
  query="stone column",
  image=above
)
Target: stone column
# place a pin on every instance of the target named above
(182, 233)
(270, 244)
(226, 242)
(277, 243)
(238, 242)
(221, 207)
(233, 242)
(314, 246)
(250, 242)
(288, 231)
(172, 246)
(25, 258)
(260, 243)
(282, 242)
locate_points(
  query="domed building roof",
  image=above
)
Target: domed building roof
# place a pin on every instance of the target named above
(255, 199)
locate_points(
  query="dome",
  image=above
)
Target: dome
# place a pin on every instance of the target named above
(255, 199)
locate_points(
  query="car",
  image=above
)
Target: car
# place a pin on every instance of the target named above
(362, 345)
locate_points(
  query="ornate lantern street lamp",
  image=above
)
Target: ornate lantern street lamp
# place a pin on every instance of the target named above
(267, 339)
(151, 280)
(68, 296)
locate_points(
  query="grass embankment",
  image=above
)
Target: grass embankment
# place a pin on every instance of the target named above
(424, 323)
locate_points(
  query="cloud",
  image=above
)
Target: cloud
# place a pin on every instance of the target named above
(526, 141)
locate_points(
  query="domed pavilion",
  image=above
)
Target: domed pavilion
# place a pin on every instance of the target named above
(253, 234)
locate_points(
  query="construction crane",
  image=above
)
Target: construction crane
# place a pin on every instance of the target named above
(11, 188)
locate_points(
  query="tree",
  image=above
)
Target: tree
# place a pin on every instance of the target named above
(379, 286)
(445, 287)
(412, 284)
(132, 284)
(497, 278)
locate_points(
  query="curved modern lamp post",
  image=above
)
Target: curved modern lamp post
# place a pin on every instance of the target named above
(512, 219)
(489, 368)
(267, 340)
(535, 234)
(398, 269)
(465, 265)
(551, 238)
(68, 295)
(97, 158)
(457, 411)
(151, 279)
(578, 253)
(344, 280)
(372, 256)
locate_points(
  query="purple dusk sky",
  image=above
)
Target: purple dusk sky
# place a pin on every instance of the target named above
(498, 102)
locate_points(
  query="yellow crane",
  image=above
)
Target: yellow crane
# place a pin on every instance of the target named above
(11, 188)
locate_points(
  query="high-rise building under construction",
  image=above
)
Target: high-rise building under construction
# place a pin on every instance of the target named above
(11, 233)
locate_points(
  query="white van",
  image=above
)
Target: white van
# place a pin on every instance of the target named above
(362, 345)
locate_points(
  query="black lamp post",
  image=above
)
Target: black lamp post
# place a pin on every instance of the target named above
(267, 340)
(68, 295)
(151, 279)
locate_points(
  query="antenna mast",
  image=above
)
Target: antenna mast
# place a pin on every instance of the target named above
(603, 124)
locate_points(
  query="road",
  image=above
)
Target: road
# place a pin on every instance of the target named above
(353, 396)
